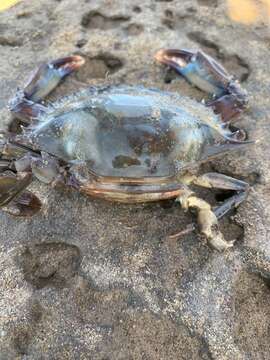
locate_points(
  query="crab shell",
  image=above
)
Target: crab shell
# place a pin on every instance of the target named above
(129, 144)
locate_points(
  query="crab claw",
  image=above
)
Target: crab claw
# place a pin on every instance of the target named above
(204, 72)
(198, 68)
(48, 76)
(25, 105)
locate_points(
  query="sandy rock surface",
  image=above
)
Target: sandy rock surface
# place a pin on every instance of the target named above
(86, 279)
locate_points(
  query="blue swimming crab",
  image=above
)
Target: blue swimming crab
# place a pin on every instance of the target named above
(126, 143)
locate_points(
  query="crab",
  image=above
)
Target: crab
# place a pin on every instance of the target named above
(125, 143)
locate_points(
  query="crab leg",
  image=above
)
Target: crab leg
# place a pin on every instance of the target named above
(13, 197)
(4, 165)
(208, 218)
(11, 186)
(16, 169)
(202, 71)
(220, 181)
(10, 148)
(26, 104)
(18, 161)
(15, 177)
(229, 204)
(224, 182)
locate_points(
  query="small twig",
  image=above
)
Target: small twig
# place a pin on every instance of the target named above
(187, 230)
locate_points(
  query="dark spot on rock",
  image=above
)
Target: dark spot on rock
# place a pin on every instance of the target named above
(134, 301)
(113, 63)
(169, 23)
(168, 13)
(117, 46)
(99, 66)
(50, 264)
(21, 341)
(95, 20)
(236, 65)
(200, 39)
(24, 15)
(163, 0)
(36, 312)
(152, 7)
(233, 63)
(168, 20)
(191, 10)
(10, 41)
(210, 3)
(137, 9)
(177, 20)
(170, 75)
(134, 29)
(81, 43)
(116, 255)
(253, 178)
(266, 280)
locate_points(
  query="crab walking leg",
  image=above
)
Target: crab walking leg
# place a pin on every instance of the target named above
(11, 185)
(25, 105)
(229, 204)
(204, 72)
(224, 182)
(17, 164)
(14, 199)
(207, 220)
(11, 148)
(15, 177)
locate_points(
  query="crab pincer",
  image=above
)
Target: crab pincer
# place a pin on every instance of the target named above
(26, 103)
(204, 72)
(48, 76)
